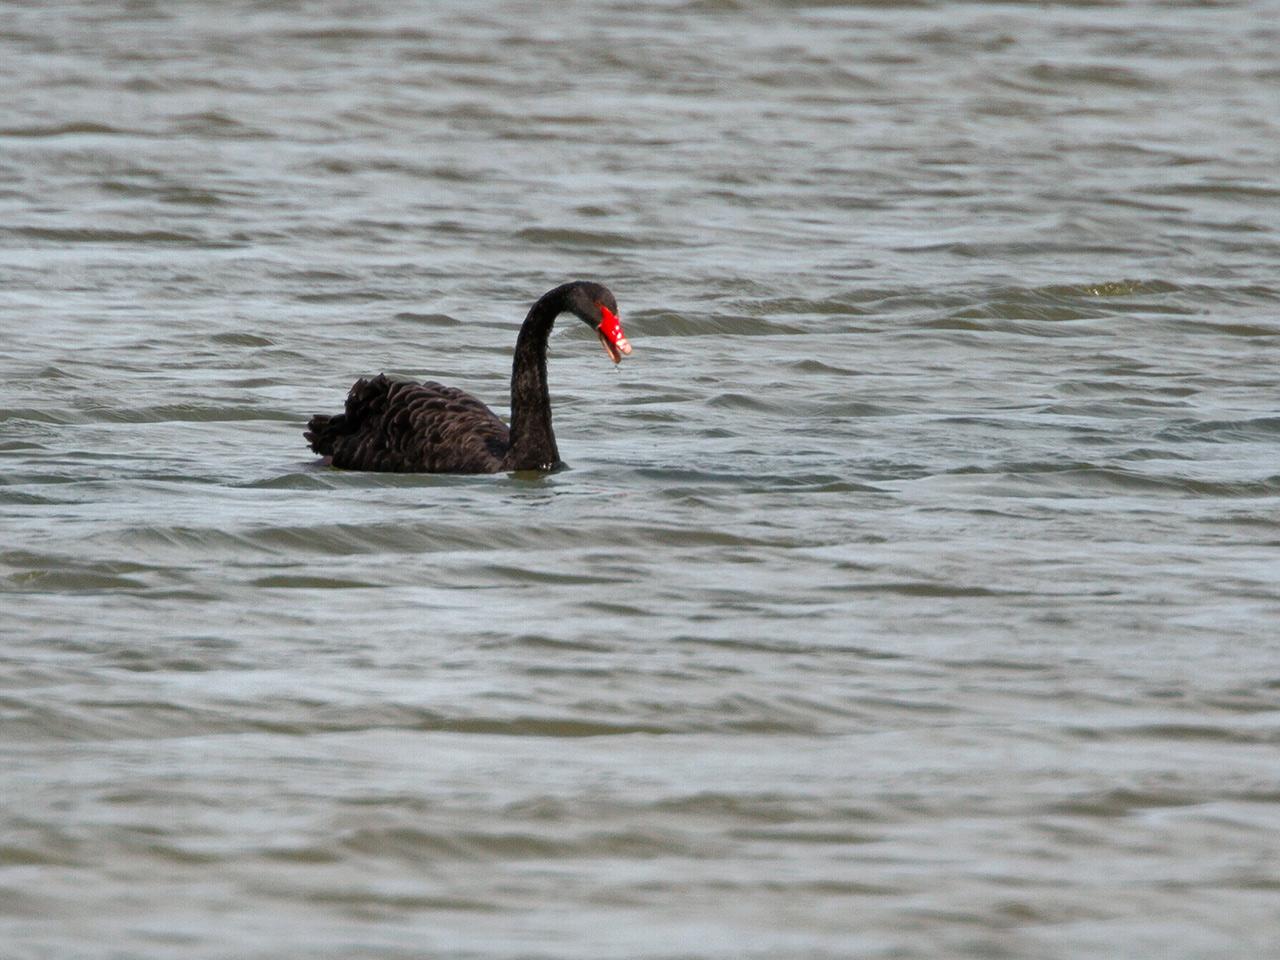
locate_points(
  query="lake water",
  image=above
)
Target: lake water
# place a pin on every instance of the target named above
(913, 590)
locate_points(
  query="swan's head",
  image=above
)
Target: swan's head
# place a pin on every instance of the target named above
(594, 305)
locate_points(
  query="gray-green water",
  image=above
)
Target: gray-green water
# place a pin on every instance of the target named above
(914, 589)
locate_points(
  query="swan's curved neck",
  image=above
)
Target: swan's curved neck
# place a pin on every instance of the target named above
(533, 444)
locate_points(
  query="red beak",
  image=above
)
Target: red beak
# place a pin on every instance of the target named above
(611, 335)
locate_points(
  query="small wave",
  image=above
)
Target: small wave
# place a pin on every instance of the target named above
(743, 401)
(18, 446)
(343, 296)
(216, 124)
(23, 498)
(671, 324)
(36, 572)
(1220, 190)
(429, 319)
(1124, 802)
(837, 306)
(186, 413)
(748, 807)
(1034, 310)
(836, 81)
(65, 129)
(241, 340)
(1244, 330)
(987, 320)
(565, 237)
(375, 34)
(1089, 479)
(298, 480)
(1092, 75)
(1214, 733)
(1015, 249)
(144, 717)
(175, 195)
(310, 582)
(448, 843)
(923, 588)
(100, 235)
(537, 641)
(84, 580)
(810, 365)
(317, 276)
(364, 900)
(533, 575)
(50, 847)
(1107, 288)
(1224, 431)
(353, 539)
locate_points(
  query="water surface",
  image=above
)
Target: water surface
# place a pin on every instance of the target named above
(911, 591)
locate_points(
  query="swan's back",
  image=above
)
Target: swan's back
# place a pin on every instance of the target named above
(405, 427)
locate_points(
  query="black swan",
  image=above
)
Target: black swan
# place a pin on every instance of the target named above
(408, 427)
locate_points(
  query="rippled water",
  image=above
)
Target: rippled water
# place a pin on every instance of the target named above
(912, 591)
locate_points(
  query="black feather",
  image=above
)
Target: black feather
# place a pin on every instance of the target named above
(404, 427)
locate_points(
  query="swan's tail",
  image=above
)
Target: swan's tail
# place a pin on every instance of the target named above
(322, 431)
(366, 402)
